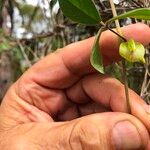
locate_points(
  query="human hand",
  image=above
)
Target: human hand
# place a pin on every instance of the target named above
(47, 107)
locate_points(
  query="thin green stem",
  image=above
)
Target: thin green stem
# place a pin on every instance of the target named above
(125, 79)
(124, 74)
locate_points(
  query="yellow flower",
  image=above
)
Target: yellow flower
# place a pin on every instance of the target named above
(132, 51)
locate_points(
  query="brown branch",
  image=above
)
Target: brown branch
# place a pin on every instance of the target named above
(24, 54)
(39, 36)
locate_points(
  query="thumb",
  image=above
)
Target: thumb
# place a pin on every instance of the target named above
(106, 131)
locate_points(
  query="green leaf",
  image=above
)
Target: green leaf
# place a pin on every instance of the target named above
(132, 51)
(141, 13)
(96, 57)
(4, 46)
(81, 11)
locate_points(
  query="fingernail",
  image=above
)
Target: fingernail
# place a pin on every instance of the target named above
(125, 136)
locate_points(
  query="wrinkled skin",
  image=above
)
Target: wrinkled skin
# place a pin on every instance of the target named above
(62, 103)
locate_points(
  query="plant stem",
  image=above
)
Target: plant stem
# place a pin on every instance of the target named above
(121, 37)
(113, 8)
(107, 27)
(125, 79)
(124, 74)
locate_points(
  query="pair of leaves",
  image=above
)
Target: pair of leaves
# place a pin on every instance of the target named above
(85, 12)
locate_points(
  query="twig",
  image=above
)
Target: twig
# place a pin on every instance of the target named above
(40, 36)
(107, 27)
(137, 3)
(146, 82)
(11, 14)
(113, 8)
(117, 34)
(125, 79)
(35, 56)
(24, 54)
(101, 5)
(32, 17)
(123, 61)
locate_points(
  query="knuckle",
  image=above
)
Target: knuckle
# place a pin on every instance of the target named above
(86, 134)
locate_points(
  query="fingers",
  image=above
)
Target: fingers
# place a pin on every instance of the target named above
(107, 131)
(104, 90)
(64, 67)
(141, 110)
(110, 44)
(43, 85)
(110, 93)
(107, 91)
(76, 56)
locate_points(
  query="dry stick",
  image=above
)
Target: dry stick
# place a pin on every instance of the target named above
(145, 81)
(113, 8)
(123, 61)
(138, 3)
(24, 54)
(38, 36)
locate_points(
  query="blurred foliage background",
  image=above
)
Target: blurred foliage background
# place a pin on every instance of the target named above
(30, 29)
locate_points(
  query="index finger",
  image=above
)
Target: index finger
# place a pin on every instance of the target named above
(77, 55)
(64, 67)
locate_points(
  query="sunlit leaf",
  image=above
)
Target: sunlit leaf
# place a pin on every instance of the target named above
(81, 11)
(141, 13)
(96, 57)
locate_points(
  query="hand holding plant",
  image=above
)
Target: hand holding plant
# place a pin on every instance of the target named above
(61, 101)
(86, 13)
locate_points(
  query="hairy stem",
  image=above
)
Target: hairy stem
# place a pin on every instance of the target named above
(124, 74)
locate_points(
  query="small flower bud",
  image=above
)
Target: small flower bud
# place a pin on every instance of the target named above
(132, 51)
